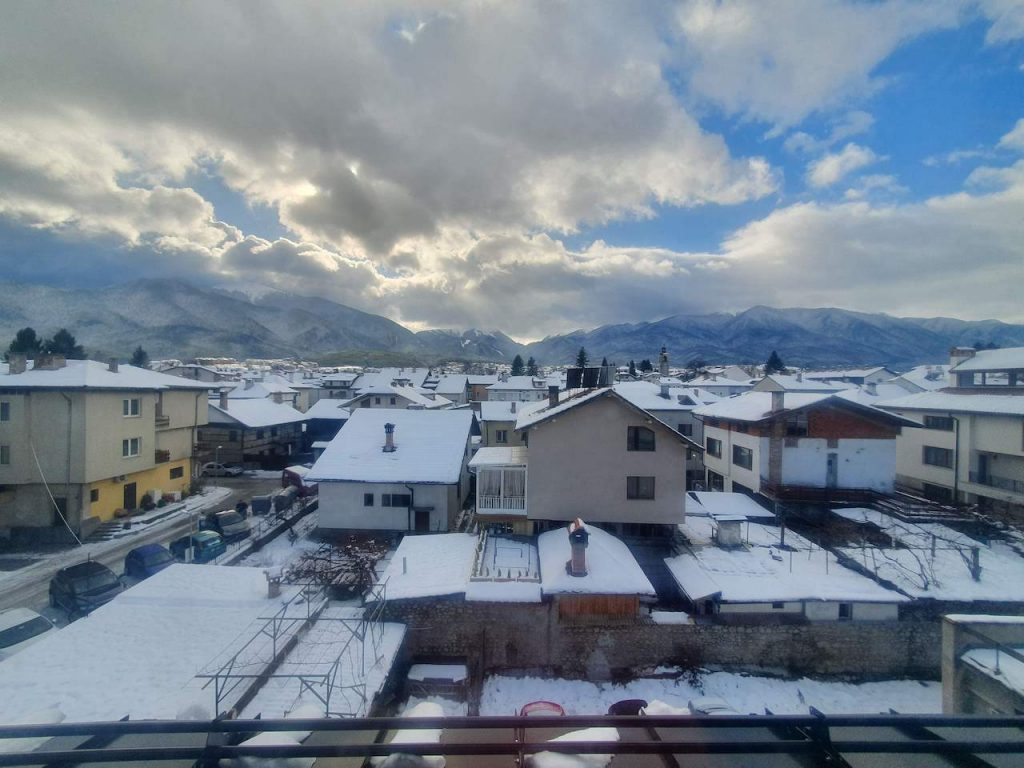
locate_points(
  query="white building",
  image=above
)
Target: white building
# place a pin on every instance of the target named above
(395, 470)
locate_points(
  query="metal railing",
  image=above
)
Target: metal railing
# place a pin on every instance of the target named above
(821, 739)
(512, 503)
(1002, 483)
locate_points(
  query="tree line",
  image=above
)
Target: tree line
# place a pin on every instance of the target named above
(28, 343)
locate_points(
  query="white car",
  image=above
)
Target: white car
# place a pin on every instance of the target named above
(19, 628)
(213, 469)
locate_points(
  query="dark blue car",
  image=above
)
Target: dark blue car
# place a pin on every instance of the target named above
(82, 588)
(142, 562)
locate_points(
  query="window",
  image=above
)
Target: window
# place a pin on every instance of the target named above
(639, 487)
(846, 610)
(395, 500)
(367, 499)
(715, 481)
(259, 434)
(232, 436)
(273, 431)
(639, 439)
(939, 422)
(177, 473)
(376, 401)
(5, 454)
(796, 425)
(366, 403)
(131, 406)
(778, 606)
(393, 401)
(130, 447)
(714, 447)
(5, 411)
(742, 457)
(94, 495)
(501, 436)
(686, 430)
(937, 457)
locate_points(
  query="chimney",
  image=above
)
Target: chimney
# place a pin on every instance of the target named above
(663, 362)
(512, 406)
(48, 362)
(273, 582)
(552, 395)
(389, 438)
(278, 398)
(664, 390)
(957, 355)
(248, 384)
(112, 365)
(578, 537)
(17, 364)
(778, 402)
(729, 533)
(223, 400)
(871, 388)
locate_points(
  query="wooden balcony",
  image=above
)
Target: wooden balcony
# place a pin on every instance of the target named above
(161, 457)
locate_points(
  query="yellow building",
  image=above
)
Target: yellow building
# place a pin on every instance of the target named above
(81, 440)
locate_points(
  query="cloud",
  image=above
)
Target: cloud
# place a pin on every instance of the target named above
(875, 185)
(1007, 18)
(829, 169)
(1014, 140)
(850, 124)
(782, 61)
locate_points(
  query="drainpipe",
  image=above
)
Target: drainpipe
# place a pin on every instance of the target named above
(412, 503)
(67, 480)
(956, 459)
(195, 432)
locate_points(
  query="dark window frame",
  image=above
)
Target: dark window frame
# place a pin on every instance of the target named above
(713, 450)
(935, 456)
(640, 439)
(747, 454)
(640, 487)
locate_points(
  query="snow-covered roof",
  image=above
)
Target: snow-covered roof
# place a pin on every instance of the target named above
(451, 384)
(259, 389)
(328, 408)
(849, 373)
(413, 394)
(255, 413)
(611, 567)
(500, 456)
(647, 395)
(714, 380)
(90, 374)
(718, 504)
(520, 383)
(534, 416)
(1000, 405)
(927, 377)
(760, 571)
(757, 406)
(500, 410)
(945, 574)
(429, 447)
(430, 566)
(482, 379)
(1008, 359)
(134, 655)
(385, 376)
(793, 383)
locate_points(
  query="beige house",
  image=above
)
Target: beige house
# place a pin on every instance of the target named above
(599, 457)
(80, 440)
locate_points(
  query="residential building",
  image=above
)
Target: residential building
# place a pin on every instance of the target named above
(259, 389)
(799, 446)
(498, 422)
(395, 470)
(797, 382)
(923, 378)
(719, 385)
(969, 444)
(454, 388)
(255, 432)
(478, 386)
(524, 389)
(338, 386)
(325, 418)
(396, 396)
(598, 456)
(859, 376)
(80, 440)
(196, 372)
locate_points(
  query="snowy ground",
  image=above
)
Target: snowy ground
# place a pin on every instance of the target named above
(281, 552)
(746, 693)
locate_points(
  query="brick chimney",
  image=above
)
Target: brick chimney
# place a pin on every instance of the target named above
(389, 438)
(223, 400)
(17, 364)
(578, 538)
(552, 395)
(47, 362)
(112, 365)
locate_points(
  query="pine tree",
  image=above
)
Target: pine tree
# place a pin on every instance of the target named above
(63, 343)
(531, 367)
(517, 365)
(25, 343)
(581, 358)
(139, 358)
(645, 366)
(632, 369)
(774, 364)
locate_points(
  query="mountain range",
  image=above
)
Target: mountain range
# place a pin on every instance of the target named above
(174, 318)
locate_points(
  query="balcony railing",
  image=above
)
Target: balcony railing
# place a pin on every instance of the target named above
(162, 421)
(505, 503)
(160, 457)
(1002, 483)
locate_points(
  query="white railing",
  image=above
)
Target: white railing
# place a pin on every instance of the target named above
(516, 503)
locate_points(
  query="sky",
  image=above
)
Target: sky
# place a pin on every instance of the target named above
(533, 167)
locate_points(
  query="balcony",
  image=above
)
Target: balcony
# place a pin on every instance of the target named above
(162, 422)
(1001, 483)
(501, 504)
(500, 481)
(161, 457)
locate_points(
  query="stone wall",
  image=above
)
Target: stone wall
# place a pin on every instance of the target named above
(531, 636)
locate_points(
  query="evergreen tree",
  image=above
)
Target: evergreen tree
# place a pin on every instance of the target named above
(632, 369)
(25, 343)
(517, 365)
(139, 358)
(645, 366)
(774, 364)
(63, 343)
(581, 358)
(531, 367)
(604, 361)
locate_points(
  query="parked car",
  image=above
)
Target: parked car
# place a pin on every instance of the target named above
(711, 705)
(142, 562)
(199, 547)
(228, 523)
(295, 476)
(213, 469)
(19, 628)
(80, 589)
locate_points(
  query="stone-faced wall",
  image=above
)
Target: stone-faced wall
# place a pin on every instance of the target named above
(495, 636)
